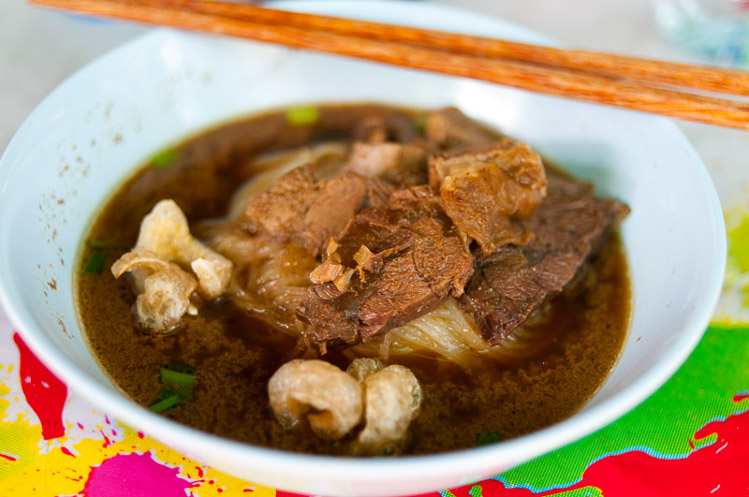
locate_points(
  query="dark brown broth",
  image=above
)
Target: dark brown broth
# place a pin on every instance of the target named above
(234, 355)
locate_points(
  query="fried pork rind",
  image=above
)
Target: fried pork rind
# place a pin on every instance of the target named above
(364, 366)
(163, 288)
(333, 401)
(165, 231)
(330, 398)
(392, 398)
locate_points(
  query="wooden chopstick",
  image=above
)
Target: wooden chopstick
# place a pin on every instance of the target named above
(410, 47)
(635, 69)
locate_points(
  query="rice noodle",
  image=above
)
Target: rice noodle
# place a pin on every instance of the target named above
(447, 333)
(271, 281)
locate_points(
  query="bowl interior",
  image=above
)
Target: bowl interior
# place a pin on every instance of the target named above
(92, 131)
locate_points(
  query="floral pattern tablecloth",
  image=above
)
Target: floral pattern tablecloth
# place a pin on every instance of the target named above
(691, 438)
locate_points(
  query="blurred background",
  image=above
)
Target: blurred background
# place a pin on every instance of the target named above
(40, 48)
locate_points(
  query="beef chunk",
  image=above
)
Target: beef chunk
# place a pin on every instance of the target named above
(401, 164)
(337, 202)
(485, 193)
(414, 203)
(415, 281)
(374, 159)
(280, 211)
(328, 317)
(450, 130)
(407, 261)
(376, 230)
(570, 226)
(299, 206)
(390, 126)
(389, 146)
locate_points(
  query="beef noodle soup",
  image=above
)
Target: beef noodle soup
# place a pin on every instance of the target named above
(356, 280)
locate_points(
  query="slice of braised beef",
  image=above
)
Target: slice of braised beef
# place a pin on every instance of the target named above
(280, 210)
(570, 226)
(391, 126)
(411, 261)
(390, 147)
(416, 280)
(402, 164)
(485, 193)
(300, 206)
(449, 130)
(337, 202)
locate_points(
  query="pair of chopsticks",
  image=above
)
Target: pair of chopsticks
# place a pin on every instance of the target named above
(632, 83)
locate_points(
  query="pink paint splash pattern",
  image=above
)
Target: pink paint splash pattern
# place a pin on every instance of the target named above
(107, 441)
(43, 391)
(718, 469)
(129, 475)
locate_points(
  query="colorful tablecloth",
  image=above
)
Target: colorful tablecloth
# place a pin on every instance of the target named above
(689, 439)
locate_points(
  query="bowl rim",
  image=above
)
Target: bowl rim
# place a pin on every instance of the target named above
(542, 441)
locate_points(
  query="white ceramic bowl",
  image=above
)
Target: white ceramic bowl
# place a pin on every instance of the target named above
(89, 134)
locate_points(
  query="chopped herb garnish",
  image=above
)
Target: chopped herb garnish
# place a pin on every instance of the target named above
(178, 381)
(163, 404)
(163, 159)
(389, 451)
(95, 263)
(165, 394)
(488, 437)
(421, 124)
(302, 116)
(182, 382)
(180, 367)
(97, 243)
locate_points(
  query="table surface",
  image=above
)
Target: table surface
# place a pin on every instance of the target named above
(639, 455)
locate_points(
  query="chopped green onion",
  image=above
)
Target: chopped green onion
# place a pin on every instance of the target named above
(302, 116)
(166, 403)
(180, 367)
(178, 382)
(179, 379)
(421, 124)
(166, 393)
(95, 263)
(164, 159)
(97, 243)
(183, 382)
(488, 437)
